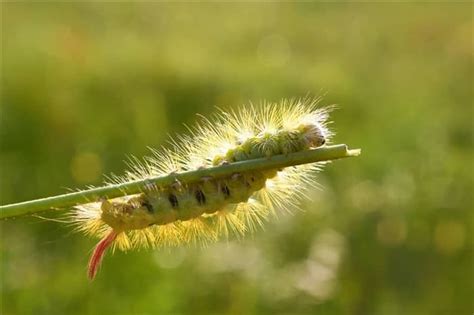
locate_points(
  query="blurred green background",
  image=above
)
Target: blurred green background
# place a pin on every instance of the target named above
(391, 233)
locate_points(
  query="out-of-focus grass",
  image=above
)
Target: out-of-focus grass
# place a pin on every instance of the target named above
(85, 84)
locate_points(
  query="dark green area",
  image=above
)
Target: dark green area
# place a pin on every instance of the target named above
(83, 85)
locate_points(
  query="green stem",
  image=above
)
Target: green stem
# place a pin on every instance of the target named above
(275, 162)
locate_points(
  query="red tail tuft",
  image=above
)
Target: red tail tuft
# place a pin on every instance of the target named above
(98, 254)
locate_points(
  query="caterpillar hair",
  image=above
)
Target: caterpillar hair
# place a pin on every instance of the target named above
(203, 211)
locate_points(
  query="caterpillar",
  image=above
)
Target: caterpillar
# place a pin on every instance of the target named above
(206, 210)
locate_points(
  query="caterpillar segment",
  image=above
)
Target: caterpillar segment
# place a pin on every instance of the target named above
(201, 212)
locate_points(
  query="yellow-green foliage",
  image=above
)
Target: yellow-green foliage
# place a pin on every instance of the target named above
(391, 233)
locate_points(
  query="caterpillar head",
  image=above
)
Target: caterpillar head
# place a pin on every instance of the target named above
(315, 135)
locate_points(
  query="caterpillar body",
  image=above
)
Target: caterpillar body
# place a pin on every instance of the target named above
(202, 211)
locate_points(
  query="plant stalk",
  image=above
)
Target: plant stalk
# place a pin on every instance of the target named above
(325, 153)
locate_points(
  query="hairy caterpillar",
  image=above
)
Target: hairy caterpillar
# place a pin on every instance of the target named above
(202, 211)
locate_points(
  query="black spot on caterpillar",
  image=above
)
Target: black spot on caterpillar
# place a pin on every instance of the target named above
(148, 206)
(200, 197)
(225, 190)
(173, 201)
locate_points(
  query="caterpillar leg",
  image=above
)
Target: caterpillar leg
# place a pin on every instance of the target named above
(98, 254)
